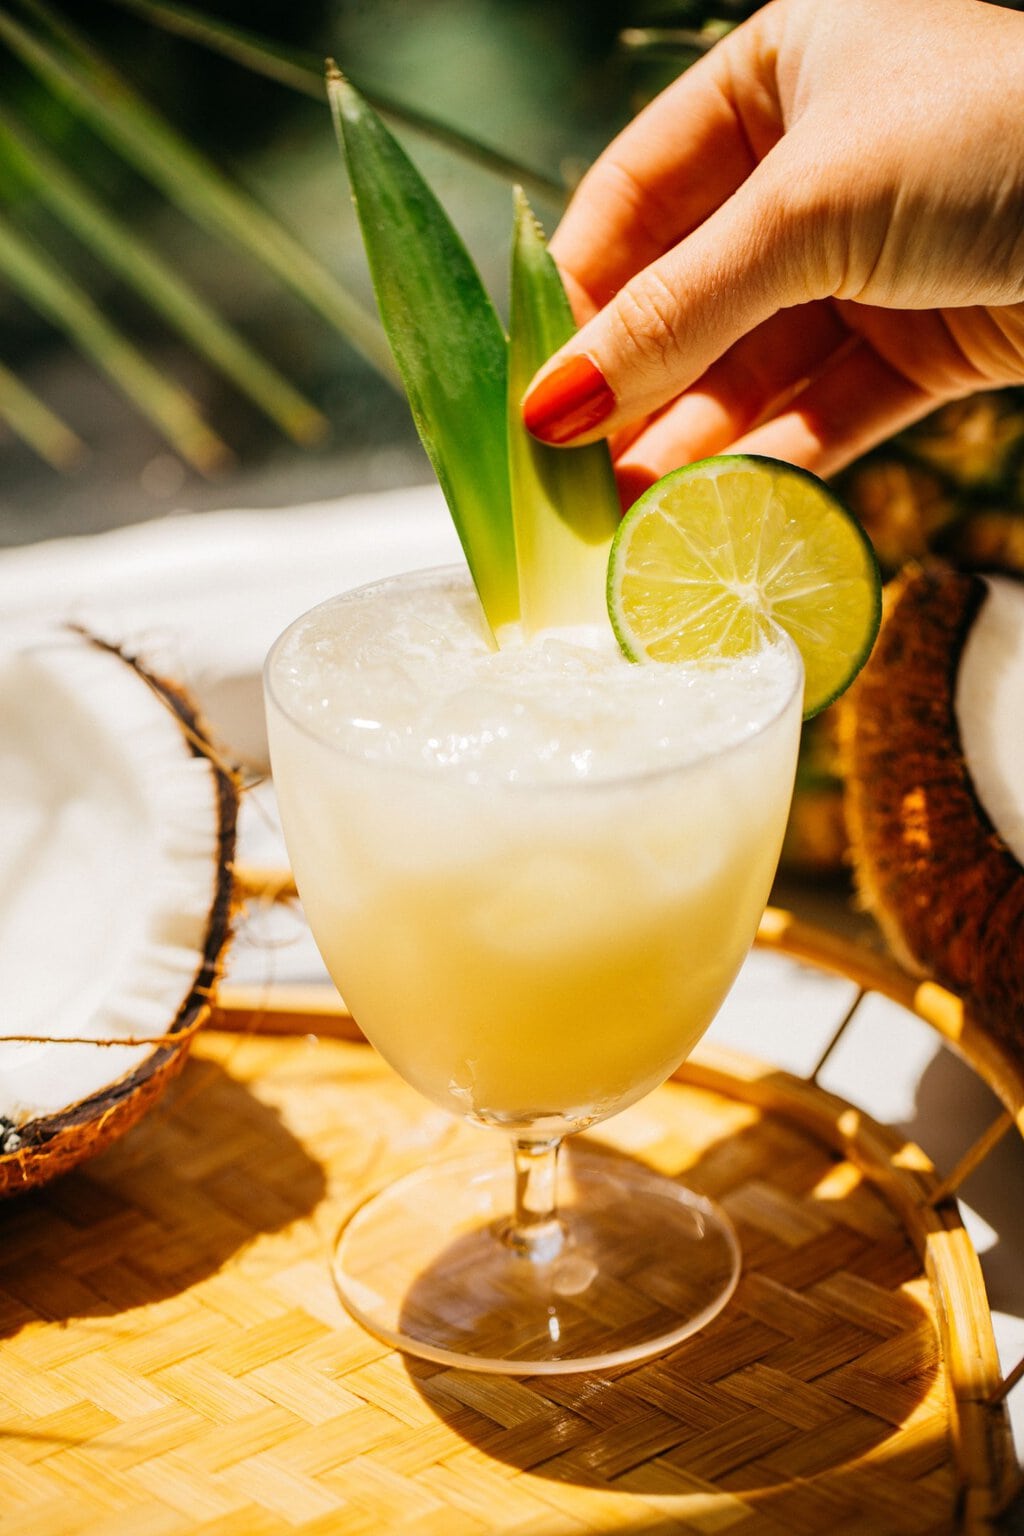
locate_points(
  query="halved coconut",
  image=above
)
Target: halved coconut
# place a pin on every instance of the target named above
(933, 747)
(116, 840)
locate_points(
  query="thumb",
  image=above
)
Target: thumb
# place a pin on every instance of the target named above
(669, 323)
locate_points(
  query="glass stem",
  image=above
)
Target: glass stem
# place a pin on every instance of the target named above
(535, 1231)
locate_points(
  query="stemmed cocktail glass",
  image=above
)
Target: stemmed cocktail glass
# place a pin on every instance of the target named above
(533, 892)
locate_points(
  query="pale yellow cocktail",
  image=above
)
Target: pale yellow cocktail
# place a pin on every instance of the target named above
(533, 873)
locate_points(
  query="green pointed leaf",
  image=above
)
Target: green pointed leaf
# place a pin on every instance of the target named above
(564, 500)
(446, 338)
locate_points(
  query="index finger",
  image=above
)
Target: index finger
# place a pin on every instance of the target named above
(674, 164)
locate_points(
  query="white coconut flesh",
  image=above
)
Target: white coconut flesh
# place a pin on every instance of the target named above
(989, 703)
(109, 860)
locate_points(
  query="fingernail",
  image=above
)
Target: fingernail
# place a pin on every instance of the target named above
(572, 399)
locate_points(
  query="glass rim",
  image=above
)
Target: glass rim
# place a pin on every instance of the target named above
(425, 772)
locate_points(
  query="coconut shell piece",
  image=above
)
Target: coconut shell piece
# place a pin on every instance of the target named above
(37, 1149)
(930, 864)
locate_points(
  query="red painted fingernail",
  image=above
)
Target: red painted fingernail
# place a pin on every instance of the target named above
(572, 399)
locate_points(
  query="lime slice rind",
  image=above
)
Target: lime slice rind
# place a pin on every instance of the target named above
(717, 554)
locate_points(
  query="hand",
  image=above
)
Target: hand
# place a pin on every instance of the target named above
(810, 240)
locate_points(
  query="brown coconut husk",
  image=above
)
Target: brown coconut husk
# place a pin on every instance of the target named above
(50, 1145)
(929, 863)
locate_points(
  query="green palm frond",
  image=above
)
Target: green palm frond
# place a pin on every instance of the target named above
(49, 290)
(77, 129)
(33, 421)
(132, 259)
(69, 68)
(304, 72)
(74, 70)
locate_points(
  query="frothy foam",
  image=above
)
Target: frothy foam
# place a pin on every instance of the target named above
(412, 680)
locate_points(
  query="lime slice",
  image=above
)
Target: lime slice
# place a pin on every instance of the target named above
(716, 554)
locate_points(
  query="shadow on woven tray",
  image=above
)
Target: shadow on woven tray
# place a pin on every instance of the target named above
(814, 1401)
(210, 1169)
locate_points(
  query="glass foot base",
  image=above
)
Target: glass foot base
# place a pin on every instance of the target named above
(643, 1264)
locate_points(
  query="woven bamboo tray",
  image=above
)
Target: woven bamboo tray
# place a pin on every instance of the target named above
(173, 1357)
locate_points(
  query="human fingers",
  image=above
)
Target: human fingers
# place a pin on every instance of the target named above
(669, 323)
(754, 380)
(855, 401)
(676, 162)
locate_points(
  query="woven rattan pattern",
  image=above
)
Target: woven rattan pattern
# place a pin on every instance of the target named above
(173, 1357)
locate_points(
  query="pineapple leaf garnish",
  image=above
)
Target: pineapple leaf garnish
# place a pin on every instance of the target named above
(536, 523)
(564, 500)
(446, 338)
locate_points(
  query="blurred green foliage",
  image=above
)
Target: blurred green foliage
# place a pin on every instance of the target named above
(167, 123)
(184, 303)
